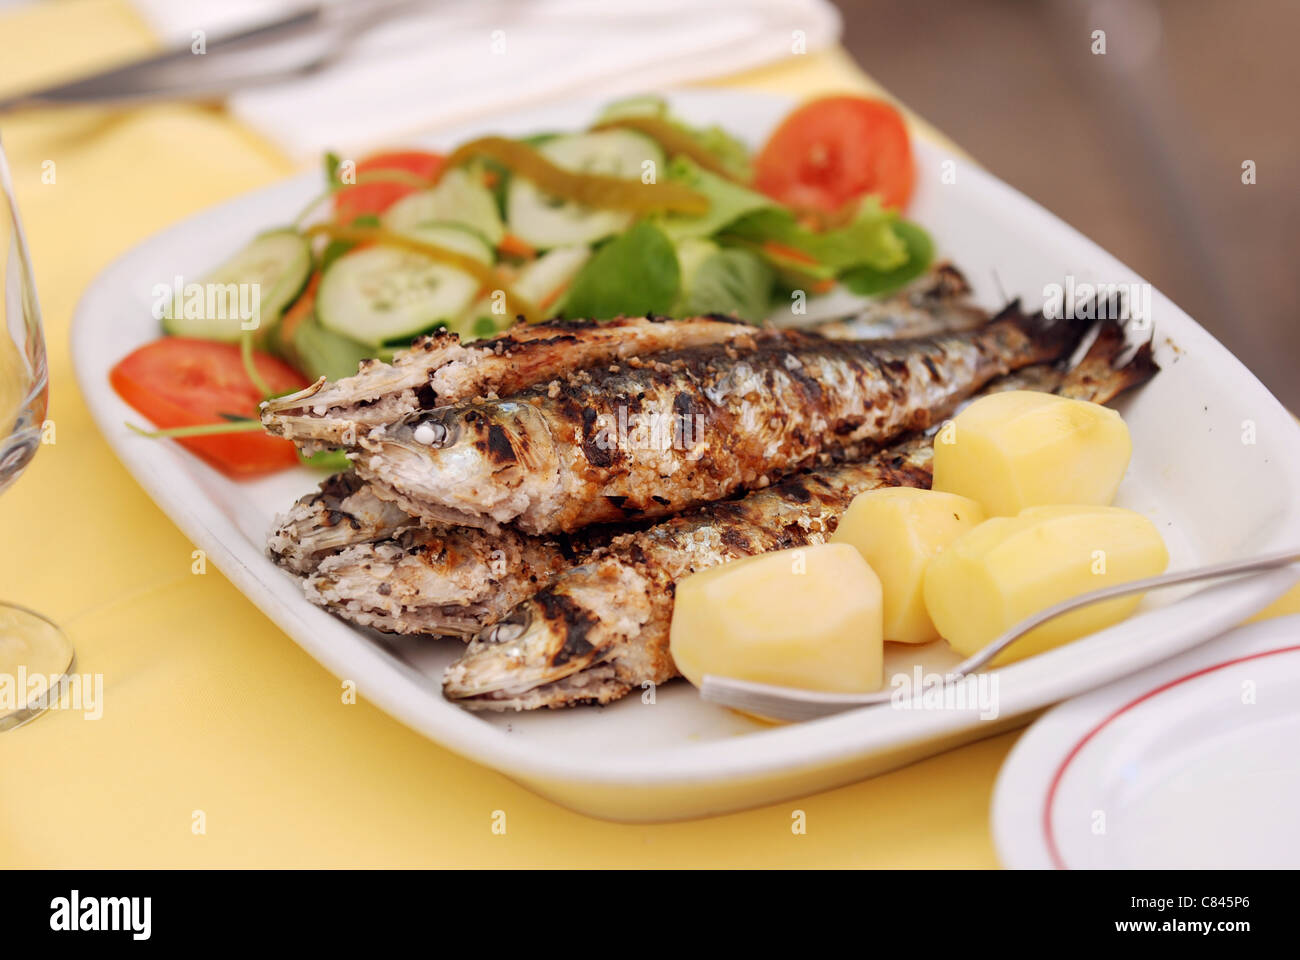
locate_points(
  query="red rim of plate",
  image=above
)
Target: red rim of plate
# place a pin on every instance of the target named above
(1048, 832)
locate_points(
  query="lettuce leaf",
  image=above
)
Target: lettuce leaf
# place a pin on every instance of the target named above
(728, 202)
(869, 240)
(633, 274)
(725, 280)
(868, 281)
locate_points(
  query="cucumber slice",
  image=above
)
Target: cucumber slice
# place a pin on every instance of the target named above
(460, 197)
(544, 222)
(267, 274)
(454, 236)
(552, 271)
(380, 294)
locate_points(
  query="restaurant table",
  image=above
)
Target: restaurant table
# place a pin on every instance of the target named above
(221, 743)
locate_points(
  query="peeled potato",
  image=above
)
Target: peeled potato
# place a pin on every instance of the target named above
(1023, 449)
(898, 530)
(808, 617)
(1008, 568)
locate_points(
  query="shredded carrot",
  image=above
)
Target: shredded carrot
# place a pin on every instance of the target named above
(300, 310)
(775, 249)
(513, 246)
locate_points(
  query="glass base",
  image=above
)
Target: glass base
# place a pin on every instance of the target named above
(36, 658)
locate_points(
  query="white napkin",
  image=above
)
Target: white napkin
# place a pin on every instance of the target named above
(452, 60)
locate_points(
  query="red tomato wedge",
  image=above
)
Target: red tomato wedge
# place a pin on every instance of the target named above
(374, 198)
(830, 151)
(181, 382)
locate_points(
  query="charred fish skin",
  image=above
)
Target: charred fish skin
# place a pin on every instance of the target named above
(449, 582)
(438, 370)
(343, 511)
(444, 582)
(645, 439)
(601, 630)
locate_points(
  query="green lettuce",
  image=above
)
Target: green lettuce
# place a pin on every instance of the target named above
(728, 202)
(868, 241)
(868, 281)
(633, 274)
(724, 280)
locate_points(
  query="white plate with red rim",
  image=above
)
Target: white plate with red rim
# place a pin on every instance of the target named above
(1190, 764)
(666, 754)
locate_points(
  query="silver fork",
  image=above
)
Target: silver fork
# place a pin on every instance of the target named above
(791, 703)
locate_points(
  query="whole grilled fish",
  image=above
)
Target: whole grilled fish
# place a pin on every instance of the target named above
(655, 437)
(439, 369)
(601, 629)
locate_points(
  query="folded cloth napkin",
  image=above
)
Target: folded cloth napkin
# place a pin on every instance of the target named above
(436, 63)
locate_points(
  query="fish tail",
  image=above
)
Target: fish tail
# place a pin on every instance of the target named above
(1050, 338)
(1110, 366)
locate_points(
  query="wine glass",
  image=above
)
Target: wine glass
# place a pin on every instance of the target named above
(35, 655)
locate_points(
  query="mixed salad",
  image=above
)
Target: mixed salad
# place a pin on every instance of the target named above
(641, 213)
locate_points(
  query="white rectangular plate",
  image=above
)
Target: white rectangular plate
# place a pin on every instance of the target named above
(667, 754)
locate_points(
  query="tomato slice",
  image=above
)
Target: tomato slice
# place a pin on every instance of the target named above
(836, 149)
(182, 382)
(374, 198)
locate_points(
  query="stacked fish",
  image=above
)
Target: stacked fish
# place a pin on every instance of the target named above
(539, 494)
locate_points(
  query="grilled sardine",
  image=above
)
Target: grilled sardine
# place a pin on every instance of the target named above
(651, 438)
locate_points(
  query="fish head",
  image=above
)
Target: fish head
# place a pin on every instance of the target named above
(465, 461)
(541, 654)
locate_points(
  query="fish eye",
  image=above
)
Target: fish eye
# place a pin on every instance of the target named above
(511, 628)
(431, 433)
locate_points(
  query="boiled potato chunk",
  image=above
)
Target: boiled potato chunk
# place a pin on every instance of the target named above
(1024, 449)
(807, 617)
(1008, 568)
(898, 530)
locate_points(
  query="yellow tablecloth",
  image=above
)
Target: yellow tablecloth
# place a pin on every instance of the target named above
(207, 706)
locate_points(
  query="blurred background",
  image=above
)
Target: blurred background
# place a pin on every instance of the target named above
(1140, 149)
